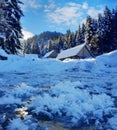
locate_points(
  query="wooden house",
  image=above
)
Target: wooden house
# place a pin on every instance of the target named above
(78, 52)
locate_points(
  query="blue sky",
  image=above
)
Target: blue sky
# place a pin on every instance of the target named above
(59, 15)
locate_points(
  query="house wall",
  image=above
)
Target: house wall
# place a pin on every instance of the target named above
(84, 53)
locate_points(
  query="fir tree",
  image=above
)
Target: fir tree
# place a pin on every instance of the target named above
(114, 29)
(79, 36)
(95, 45)
(95, 25)
(50, 45)
(89, 30)
(83, 31)
(108, 30)
(72, 41)
(60, 42)
(101, 31)
(68, 39)
(12, 15)
(3, 23)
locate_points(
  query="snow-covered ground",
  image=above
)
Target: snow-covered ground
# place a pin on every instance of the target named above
(76, 93)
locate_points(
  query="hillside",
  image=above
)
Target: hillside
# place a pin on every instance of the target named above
(36, 44)
(74, 94)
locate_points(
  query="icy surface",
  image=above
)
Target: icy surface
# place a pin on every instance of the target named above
(75, 92)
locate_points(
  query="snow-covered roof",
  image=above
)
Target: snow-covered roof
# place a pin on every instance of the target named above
(48, 54)
(70, 52)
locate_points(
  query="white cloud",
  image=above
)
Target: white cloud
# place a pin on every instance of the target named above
(67, 14)
(48, 8)
(30, 4)
(72, 4)
(27, 34)
(85, 5)
(94, 12)
(34, 4)
(71, 13)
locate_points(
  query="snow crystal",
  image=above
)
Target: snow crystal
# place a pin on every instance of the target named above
(113, 122)
(9, 99)
(17, 124)
(75, 102)
(77, 88)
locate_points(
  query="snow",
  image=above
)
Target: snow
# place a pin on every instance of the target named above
(31, 56)
(77, 103)
(3, 53)
(105, 59)
(113, 122)
(9, 99)
(48, 54)
(75, 92)
(17, 124)
(70, 52)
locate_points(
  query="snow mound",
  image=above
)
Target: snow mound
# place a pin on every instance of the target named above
(109, 59)
(3, 53)
(68, 100)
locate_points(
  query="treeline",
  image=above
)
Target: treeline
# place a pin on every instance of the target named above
(37, 44)
(100, 34)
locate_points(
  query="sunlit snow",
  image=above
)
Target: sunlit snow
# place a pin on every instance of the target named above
(73, 92)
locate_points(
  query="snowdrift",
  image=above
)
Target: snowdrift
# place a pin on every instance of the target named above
(3, 55)
(74, 92)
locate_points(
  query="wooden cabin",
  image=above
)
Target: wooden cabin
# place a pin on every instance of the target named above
(78, 52)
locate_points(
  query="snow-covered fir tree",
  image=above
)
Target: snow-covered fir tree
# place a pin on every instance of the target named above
(108, 20)
(83, 31)
(12, 27)
(100, 31)
(3, 23)
(100, 26)
(50, 45)
(95, 45)
(78, 36)
(108, 30)
(89, 30)
(114, 29)
(95, 24)
(68, 39)
(60, 41)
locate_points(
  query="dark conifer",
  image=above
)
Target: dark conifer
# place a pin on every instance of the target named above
(12, 27)
(89, 30)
